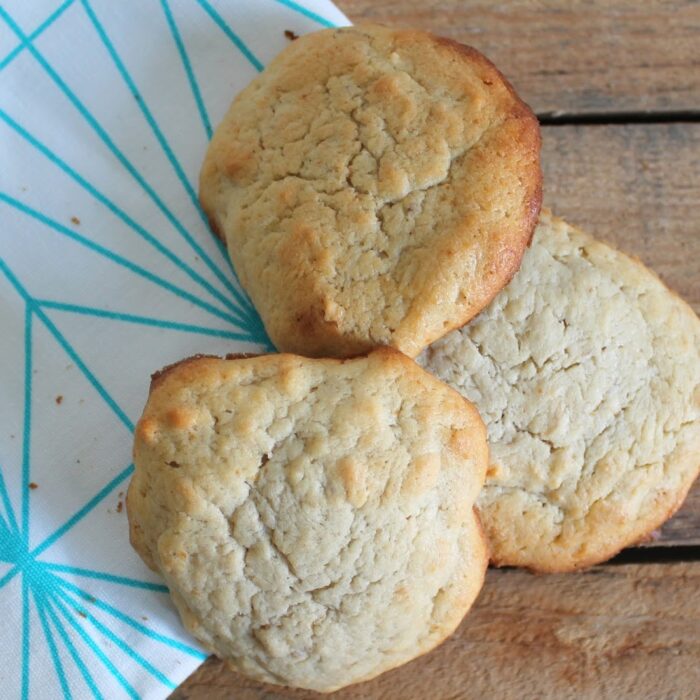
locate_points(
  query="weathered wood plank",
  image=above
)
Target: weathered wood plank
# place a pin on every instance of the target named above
(613, 633)
(684, 527)
(570, 57)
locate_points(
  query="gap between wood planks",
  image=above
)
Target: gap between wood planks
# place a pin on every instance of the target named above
(613, 118)
(656, 555)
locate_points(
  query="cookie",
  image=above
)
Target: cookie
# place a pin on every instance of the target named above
(313, 519)
(374, 186)
(586, 370)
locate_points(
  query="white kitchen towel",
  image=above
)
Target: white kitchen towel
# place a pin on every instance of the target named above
(108, 271)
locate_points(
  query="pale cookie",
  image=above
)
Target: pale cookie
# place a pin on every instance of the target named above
(374, 187)
(313, 519)
(586, 370)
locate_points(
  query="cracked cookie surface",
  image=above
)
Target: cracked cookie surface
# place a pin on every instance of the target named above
(314, 519)
(374, 187)
(586, 370)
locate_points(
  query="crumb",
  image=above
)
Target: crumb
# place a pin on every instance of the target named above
(12, 437)
(120, 507)
(143, 617)
(75, 220)
(91, 599)
(77, 461)
(33, 485)
(81, 613)
(59, 399)
(290, 35)
(81, 401)
(120, 494)
(69, 366)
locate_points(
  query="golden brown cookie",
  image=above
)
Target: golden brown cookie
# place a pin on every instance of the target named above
(374, 186)
(313, 519)
(586, 370)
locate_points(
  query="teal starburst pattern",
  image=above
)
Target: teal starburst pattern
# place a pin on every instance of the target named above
(67, 610)
(108, 270)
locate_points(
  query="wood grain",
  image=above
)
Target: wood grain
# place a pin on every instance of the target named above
(570, 57)
(613, 633)
(684, 528)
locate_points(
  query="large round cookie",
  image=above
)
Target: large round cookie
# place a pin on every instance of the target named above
(313, 519)
(586, 370)
(374, 187)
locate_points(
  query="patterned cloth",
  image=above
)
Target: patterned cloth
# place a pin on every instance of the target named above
(107, 272)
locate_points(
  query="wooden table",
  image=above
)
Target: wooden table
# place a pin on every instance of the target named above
(616, 84)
